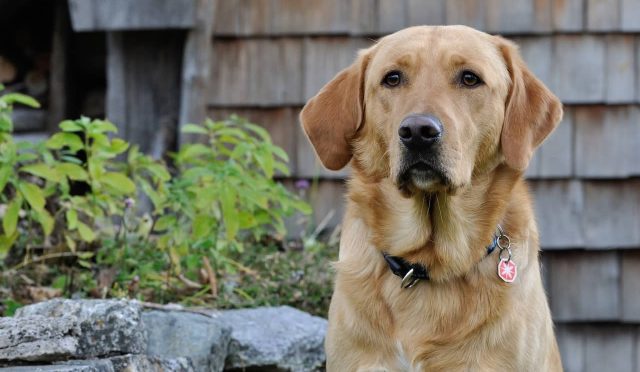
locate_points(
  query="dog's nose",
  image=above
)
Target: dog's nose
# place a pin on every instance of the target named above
(419, 130)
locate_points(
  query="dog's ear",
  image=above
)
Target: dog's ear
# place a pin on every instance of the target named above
(332, 117)
(531, 112)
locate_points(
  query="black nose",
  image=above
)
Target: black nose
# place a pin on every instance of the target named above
(417, 131)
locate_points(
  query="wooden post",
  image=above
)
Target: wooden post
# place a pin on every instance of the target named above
(196, 65)
(143, 87)
(58, 77)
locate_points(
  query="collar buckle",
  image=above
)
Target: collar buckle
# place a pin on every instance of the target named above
(409, 280)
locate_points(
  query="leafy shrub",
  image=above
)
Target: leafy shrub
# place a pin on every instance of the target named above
(88, 214)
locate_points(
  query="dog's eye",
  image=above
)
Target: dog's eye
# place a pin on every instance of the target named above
(392, 79)
(469, 79)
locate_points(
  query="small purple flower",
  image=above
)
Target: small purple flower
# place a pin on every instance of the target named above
(129, 203)
(302, 184)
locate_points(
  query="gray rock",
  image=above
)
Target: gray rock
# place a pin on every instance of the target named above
(106, 327)
(37, 338)
(98, 365)
(182, 334)
(90, 366)
(143, 363)
(277, 339)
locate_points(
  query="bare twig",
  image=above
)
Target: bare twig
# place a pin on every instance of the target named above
(189, 283)
(43, 258)
(213, 282)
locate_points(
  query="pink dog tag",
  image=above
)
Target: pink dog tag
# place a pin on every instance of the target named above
(507, 270)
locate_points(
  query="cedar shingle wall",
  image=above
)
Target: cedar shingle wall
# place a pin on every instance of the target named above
(271, 56)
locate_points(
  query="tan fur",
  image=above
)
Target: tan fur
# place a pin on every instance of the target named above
(465, 318)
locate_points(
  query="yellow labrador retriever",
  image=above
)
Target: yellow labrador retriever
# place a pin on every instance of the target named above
(438, 267)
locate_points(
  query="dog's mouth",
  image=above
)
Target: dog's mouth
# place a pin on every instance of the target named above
(422, 176)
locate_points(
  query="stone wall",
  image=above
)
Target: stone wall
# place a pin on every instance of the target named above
(119, 335)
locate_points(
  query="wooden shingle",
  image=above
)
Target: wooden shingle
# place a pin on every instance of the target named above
(603, 15)
(429, 12)
(324, 57)
(392, 15)
(326, 197)
(519, 17)
(255, 17)
(597, 348)
(621, 69)
(558, 206)
(328, 201)
(554, 159)
(609, 349)
(257, 72)
(121, 15)
(294, 17)
(579, 68)
(629, 11)
(537, 52)
(621, 203)
(570, 339)
(630, 286)
(226, 19)
(364, 17)
(466, 12)
(606, 141)
(567, 15)
(583, 286)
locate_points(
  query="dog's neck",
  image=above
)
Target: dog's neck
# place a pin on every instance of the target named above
(447, 233)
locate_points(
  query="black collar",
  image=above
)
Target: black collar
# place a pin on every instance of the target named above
(412, 273)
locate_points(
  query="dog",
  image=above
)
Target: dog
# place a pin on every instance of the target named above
(438, 267)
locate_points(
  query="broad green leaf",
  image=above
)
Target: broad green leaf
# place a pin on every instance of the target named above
(194, 128)
(71, 159)
(6, 241)
(85, 255)
(159, 171)
(72, 219)
(71, 244)
(5, 173)
(65, 139)
(281, 167)
(20, 98)
(118, 182)
(229, 211)
(33, 194)
(46, 221)
(73, 171)
(194, 150)
(202, 225)
(260, 131)
(85, 232)
(301, 206)
(85, 264)
(246, 220)
(42, 170)
(10, 219)
(24, 157)
(265, 159)
(103, 126)
(233, 132)
(165, 222)
(156, 198)
(175, 259)
(71, 126)
(6, 124)
(119, 146)
(279, 152)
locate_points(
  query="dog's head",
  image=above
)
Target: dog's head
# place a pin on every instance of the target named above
(430, 107)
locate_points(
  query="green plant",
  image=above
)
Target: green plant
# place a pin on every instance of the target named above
(111, 221)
